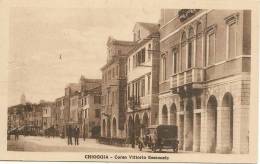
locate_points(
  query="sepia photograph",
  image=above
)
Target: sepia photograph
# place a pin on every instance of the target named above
(141, 83)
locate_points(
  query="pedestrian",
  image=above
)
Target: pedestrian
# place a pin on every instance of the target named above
(76, 131)
(16, 137)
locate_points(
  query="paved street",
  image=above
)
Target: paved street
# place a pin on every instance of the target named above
(43, 144)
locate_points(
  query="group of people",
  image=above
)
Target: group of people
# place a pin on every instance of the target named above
(73, 132)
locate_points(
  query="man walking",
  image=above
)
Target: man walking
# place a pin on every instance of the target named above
(76, 135)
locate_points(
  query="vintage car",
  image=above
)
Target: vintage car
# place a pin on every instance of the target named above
(162, 137)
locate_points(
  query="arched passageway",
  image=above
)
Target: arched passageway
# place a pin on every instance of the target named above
(212, 124)
(164, 115)
(114, 128)
(104, 128)
(188, 127)
(227, 119)
(173, 115)
(108, 128)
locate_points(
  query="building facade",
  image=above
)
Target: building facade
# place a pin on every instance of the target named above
(114, 89)
(91, 112)
(143, 64)
(205, 78)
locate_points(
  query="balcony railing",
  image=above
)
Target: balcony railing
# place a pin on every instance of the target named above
(190, 76)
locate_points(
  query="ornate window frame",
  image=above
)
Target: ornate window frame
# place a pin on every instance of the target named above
(231, 20)
(211, 30)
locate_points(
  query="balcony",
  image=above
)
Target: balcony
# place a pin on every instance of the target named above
(190, 79)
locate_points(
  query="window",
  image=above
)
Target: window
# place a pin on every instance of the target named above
(128, 91)
(113, 98)
(109, 75)
(143, 55)
(139, 34)
(133, 61)
(211, 42)
(174, 61)
(163, 64)
(149, 51)
(117, 71)
(129, 64)
(119, 52)
(97, 100)
(198, 102)
(211, 47)
(183, 52)
(113, 73)
(231, 41)
(190, 51)
(231, 22)
(149, 84)
(97, 113)
(190, 48)
(142, 87)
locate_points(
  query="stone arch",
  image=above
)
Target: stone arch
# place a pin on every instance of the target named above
(108, 128)
(130, 126)
(145, 122)
(137, 125)
(227, 119)
(173, 114)
(104, 128)
(212, 105)
(188, 125)
(164, 115)
(114, 130)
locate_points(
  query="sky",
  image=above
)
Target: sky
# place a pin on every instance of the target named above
(39, 36)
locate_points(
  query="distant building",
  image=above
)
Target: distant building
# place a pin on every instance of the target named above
(90, 103)
(114, 88)
(143, 62)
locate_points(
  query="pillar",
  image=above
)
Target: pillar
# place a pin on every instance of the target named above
(224, 142)
(196, 132)
(180, 122)
(188, 130)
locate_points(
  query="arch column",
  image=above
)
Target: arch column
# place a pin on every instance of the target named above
(197, 131)
(188, 126)
(180, 123)
(223, 130)
(241, 129)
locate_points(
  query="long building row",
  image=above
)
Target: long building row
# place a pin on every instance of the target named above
(80, 106)
(191, 70)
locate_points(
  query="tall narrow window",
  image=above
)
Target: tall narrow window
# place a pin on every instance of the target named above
(149, 84)
(183, 52)
(231, 41)
(175, 61)
(149, 51)
(190, 48)
(163, 60)
(211, 49)
(143, 55)
(231, 22)
(211, 42)
(142, 87)
(199, 58)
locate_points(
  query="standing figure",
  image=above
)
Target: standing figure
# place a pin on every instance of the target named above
(76, 136)
(16, 134)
